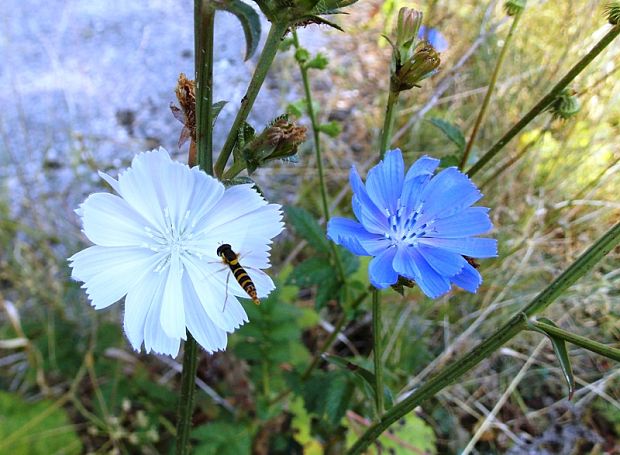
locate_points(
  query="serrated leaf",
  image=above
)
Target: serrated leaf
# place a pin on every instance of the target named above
(222, 438)
(451, 131)
(327, 395)
(250, 22)
(307, 227)
(559, 347)
(332, 129)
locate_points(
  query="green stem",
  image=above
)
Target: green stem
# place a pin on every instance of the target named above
(204, 90)
(504, 334)
(546, 100)
(377, 350)
(490, 89)
(203, 48)
(276, 32)
(316, 134)
(586, 343)
(234, 170)
(186, 401)
(388, 123)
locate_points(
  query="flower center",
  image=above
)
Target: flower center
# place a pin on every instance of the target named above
(173, 242)
(406, 226)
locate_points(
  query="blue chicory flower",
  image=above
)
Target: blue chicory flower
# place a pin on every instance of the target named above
(433, 36)
(417, 225)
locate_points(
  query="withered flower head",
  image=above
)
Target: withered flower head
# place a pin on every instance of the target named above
(186, 94)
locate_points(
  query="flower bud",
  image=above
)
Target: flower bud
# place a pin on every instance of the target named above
(565, 105)
(514, 7)
(612, 10)
(407, 27)
(421, 65)
(278, 141)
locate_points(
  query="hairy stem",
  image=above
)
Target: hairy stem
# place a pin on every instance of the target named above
(490, 89)
(276, 32)
(204, 90)
(546, 100)
(504, 334)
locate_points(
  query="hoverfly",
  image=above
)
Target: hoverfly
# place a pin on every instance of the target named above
(231, 259)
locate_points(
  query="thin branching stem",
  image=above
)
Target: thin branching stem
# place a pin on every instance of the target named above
(504, 334)
(276, 32)
(490, 89)
(546, 101)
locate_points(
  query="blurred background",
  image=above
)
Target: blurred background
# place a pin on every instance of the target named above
(86, 85)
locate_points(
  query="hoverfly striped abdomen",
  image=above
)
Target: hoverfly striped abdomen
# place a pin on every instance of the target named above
(232, 260)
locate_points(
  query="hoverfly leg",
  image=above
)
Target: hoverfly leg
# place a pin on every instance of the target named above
(226, 298)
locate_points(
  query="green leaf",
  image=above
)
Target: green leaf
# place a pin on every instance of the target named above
(332, 129)
(451, 131)
(250, 22)
(559, 346)
(319, 62)
(217, 108)
(310, 272)
(409, 435)
(35, 428)
(307, 227)
(296, 109)
(449, 161)
(327, 395)
(223, 438)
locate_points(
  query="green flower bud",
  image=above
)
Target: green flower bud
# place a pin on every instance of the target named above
(407, 28)
(278, 141)
(514, 7)
(612, 10)
(421, 65)
(565, 105)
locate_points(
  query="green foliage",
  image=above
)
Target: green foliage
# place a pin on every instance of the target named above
(318, 62)
(451, 131)
(332, 129)
(308, 228)
(274, 337)
(411, 434)
(35, 428)
(223, 438)
(327, 395)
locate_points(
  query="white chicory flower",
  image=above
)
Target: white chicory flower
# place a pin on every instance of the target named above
(156, 243)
